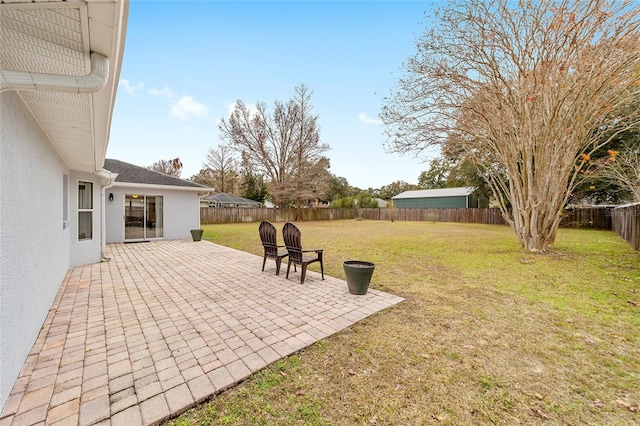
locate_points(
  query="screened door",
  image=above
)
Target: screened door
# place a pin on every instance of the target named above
(143, 217)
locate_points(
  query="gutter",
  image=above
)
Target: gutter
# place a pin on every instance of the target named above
(108, 179)
(33, 81)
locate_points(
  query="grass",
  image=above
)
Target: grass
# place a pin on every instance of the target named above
(488, 333)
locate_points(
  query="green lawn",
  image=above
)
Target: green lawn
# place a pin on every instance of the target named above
(488, 333)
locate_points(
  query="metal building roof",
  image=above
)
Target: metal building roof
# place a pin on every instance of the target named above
(432, 193)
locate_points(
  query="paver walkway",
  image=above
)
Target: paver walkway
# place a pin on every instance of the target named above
(166, 324)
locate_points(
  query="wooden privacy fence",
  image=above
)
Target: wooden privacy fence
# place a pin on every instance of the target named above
(593, 217)
(484, 216)
(239, 215)
(626, 223)
(210, 215)
(587, 217)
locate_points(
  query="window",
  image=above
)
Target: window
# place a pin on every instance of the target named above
(85, 210)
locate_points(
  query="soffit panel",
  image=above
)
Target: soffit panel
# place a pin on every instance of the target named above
(44, 40)
(66, 118)
(52, 37)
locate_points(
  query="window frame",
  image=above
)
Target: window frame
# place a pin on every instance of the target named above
(83, 210)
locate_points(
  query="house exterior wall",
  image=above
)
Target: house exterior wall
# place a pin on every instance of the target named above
(181, 210)
(88, 250)
(34, 242)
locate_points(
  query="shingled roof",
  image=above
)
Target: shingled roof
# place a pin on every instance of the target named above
(131, 173)
(222, 199)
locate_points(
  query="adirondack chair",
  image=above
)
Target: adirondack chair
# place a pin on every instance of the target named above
(271, 248)
(298, 256)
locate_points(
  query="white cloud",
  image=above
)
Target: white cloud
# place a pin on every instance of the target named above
(366, 119)
(250, 107)
(130, 88)
(187, 107)
(164, 92)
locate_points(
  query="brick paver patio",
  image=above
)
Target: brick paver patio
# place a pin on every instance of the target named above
(165, 325)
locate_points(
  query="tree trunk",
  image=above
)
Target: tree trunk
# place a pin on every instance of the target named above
(535, 225)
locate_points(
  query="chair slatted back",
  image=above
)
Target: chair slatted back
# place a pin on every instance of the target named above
(268, 238)
(292, 240)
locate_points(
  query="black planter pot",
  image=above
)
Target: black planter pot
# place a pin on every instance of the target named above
(196, 234)
(358, 275)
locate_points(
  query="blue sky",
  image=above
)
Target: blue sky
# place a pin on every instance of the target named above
(187, 62)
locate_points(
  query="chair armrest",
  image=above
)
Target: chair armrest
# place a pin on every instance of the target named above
(313, 250)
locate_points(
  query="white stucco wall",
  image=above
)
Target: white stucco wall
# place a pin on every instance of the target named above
(181, 212)
(84, 251)
(34, 247)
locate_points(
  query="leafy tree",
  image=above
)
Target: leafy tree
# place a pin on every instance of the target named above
(204, 177)
(524, 91)
(318, 180)
(365, 201)
(168, 167)
(448, 172)
(339, 188)
(253, 187)
(374, 192)
(436, 176)
(395, 188)
(344, 203)
(252, 184)
(284, 146)
(362, 200)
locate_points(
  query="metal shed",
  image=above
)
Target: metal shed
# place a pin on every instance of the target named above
(445, 198)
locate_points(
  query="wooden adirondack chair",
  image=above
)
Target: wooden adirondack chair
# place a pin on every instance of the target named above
(271, 248)
(298, 256)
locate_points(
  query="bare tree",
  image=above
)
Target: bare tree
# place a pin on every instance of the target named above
(222, 163)
(518, 89)
(168, 167)
(309, 167)
(278, 145)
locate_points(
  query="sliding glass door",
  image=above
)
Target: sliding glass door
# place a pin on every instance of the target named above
(143, 217)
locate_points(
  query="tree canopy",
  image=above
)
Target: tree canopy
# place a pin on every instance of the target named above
(168, 167)
(284, 146)
(524, 91)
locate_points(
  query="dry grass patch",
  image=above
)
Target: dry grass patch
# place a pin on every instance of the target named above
(488, 333)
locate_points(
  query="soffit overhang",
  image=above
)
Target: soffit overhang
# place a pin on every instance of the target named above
(57, 38)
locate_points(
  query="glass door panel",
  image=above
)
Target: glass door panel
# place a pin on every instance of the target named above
(133, 217)
(143, 217)
(153, 228)
(159, 217)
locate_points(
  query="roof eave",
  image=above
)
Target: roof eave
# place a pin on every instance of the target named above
(161, 187)
(98, 30)
(104, 100)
